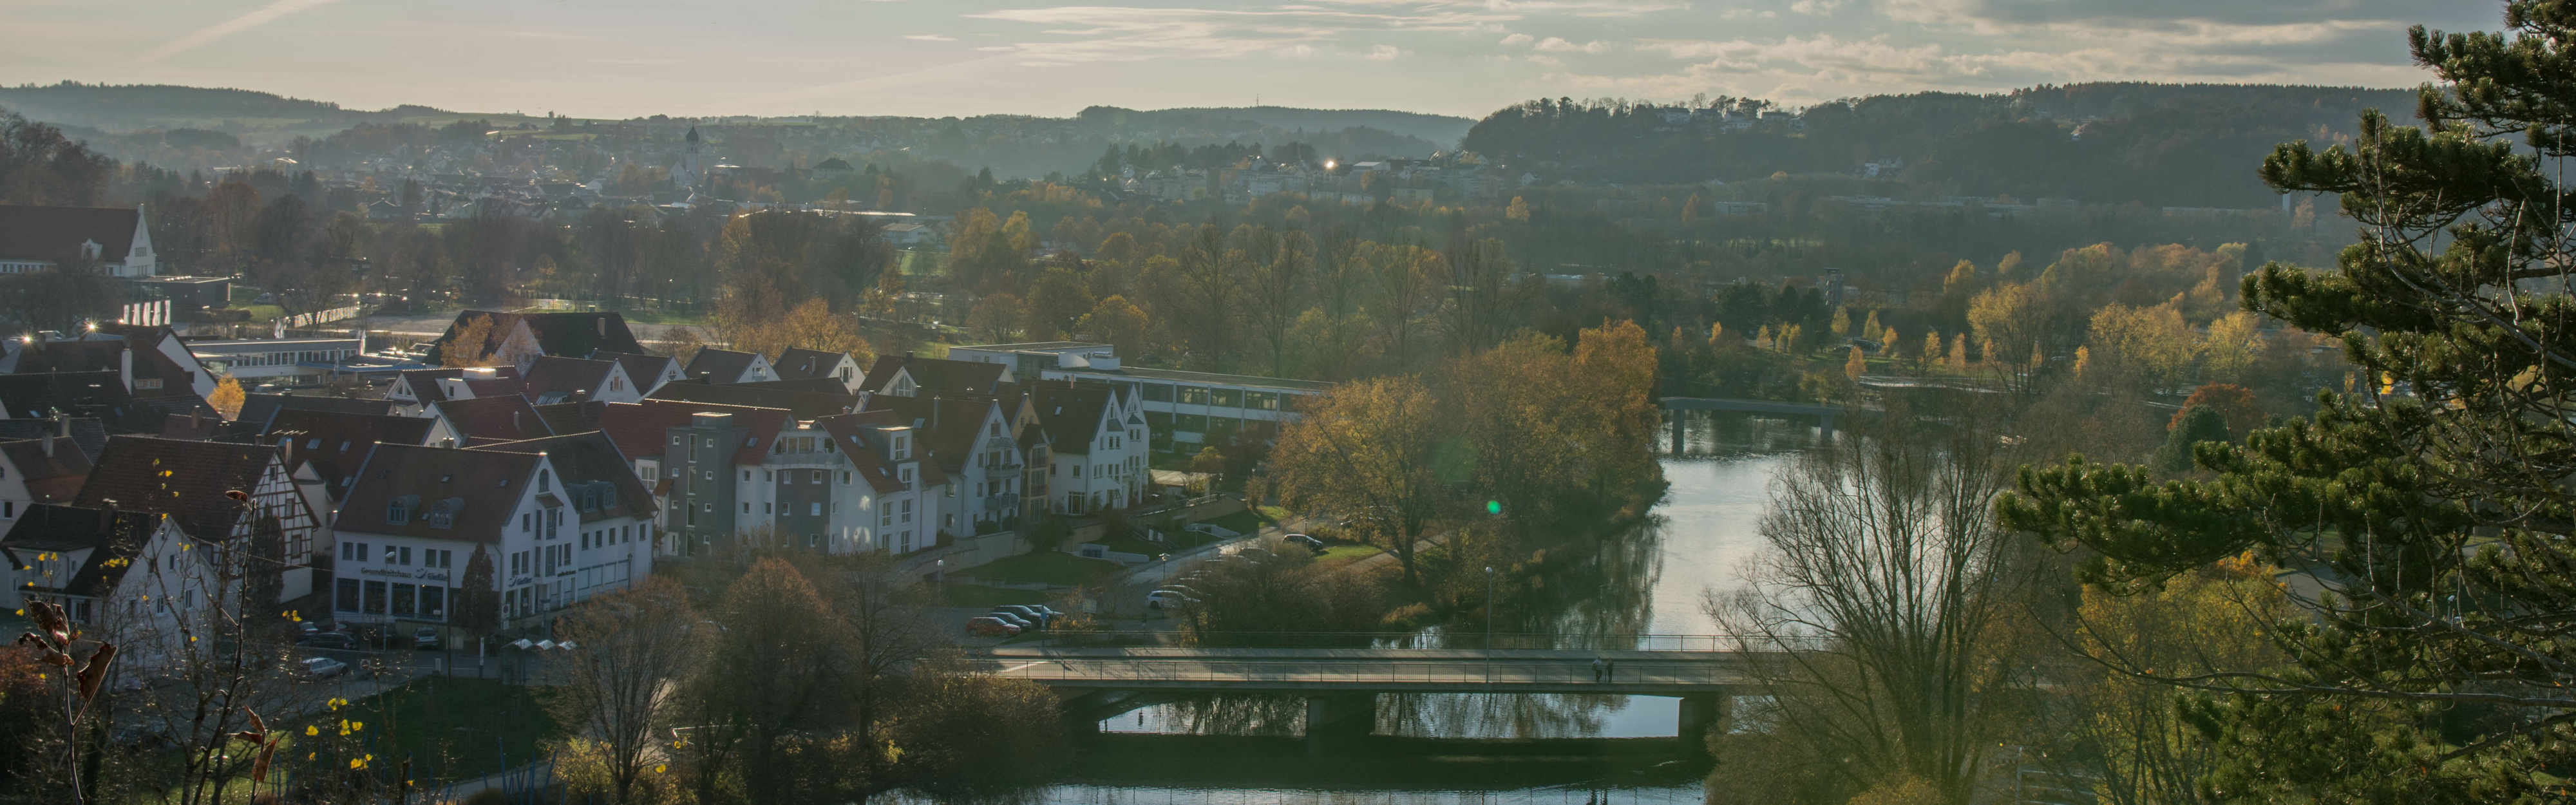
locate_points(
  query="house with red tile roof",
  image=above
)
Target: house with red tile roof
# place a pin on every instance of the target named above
(189, 480)
(128, 577)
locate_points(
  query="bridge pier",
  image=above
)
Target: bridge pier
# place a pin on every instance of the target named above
(1701, 715)
(1338, 720)
(1676, 417)
(1825, 428)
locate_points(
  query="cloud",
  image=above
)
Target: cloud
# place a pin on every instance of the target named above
(274, 11)
(1384, 53)
(1816, 8)
(1516, 40)
(1558, 45)
(929, 38)
(2132, 13)
(1122, 34)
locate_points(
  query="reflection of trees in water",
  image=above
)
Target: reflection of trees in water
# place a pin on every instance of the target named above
(1240, 714)
(1719, 434)
(1495, 715)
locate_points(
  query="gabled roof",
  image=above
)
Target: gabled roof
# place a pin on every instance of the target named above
(478, 490)
(56, 233)
(936, 375)
(258, 409)
(574, 335)
(109, 534)
(644, 429)
(1070, 412)
(719, 365)
(950, 429)
(425, 387)
(805, 404)
(641, 369)
(852, 433)
(590, 458)
(799, 363)
(336, 443)
(86, 432)
(572, 417)
(493, 419)
(554, 378)
(51, 476)
(91, 394)
(186, 480)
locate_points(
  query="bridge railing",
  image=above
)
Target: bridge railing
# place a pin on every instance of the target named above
(1423, 640)
(1293, 673)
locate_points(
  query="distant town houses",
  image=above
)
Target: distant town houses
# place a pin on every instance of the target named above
(562, 463)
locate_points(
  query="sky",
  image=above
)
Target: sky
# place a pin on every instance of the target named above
(624, 58)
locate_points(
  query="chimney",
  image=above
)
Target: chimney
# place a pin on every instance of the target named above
(514, 420)
(106, 515)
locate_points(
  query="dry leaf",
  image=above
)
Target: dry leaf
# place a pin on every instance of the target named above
(95, 671)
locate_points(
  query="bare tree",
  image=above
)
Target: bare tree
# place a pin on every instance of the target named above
(636, 648)
(1880, 615)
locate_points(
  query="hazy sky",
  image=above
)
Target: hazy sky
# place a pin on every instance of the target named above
(619, 58)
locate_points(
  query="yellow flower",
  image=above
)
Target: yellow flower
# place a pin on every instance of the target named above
(311, 730)
(355, 763)
(658, 767)
(357, 725)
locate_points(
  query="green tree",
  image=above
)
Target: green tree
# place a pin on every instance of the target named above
(2438, 670)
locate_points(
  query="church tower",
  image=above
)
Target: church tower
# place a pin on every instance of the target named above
(688, 172)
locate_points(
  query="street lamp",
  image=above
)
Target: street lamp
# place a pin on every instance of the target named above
(1489, 624)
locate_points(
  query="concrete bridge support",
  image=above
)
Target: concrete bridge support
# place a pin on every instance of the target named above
(1701, 715)
(1339, 720)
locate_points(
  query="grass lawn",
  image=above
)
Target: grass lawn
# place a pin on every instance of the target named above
(456, 729)
(1339, 555)
(977, 595)
(1046, 567)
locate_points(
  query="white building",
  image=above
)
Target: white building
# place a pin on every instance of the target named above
(128, 577)
(34, 238)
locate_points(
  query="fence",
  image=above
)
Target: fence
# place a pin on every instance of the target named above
(1429, 639)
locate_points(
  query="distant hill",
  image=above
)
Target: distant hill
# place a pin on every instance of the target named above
(2179, 145)
(140, 106)
(1442, 130)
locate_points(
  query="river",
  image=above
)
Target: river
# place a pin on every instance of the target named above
(1699, 537)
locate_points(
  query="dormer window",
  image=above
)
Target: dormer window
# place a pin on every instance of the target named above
(398, 512)
(545, 483)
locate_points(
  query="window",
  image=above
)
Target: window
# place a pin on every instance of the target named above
(433, 601)
(845, 477)
(406, 555)
(816, 509)
(346, 598)
(399, 511)
(545, 482)
(907, 511)
(746, 507)
(905, 476)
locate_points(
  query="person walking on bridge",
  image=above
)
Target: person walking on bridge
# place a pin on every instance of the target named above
(1599, 669)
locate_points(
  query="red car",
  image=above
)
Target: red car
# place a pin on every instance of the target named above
(989, 626)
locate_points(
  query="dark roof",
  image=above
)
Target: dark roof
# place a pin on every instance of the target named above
(554, 378)
(258, 409)
(425, 388)
(814, 385)
(87, 432)
(806, 404)
(99, 395)
(644, 429)
(590, 458)
(494, 419)
(1070, 412)
(51, 476)
(575, 335)
(47, 528)
(949, 429)
(572, 417)
(641, 369)
(194, 426)
(480, 489)
(858, 442)
(186, 480)
(938, 376)
(56, 233)
(336, 443)
(799, 363)
(719, 365)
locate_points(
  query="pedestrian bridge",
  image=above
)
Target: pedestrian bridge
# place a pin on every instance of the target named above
(1374, 670)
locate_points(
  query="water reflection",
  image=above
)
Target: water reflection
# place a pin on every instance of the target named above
(1644, 580)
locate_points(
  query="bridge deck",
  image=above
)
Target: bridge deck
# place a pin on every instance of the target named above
(1663, 673)
(1750, 406)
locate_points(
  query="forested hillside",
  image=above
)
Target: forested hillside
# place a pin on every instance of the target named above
(2156, 144)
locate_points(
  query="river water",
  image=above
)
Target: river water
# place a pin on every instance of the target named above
(1698, 538)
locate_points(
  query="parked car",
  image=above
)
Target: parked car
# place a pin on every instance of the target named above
(1013, 619)
(988, 626)
(425, 637)
(332, 640)
(1309, 543)
(324, 667)
(1051, 612)
(1033, 614)
(1158, 599)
